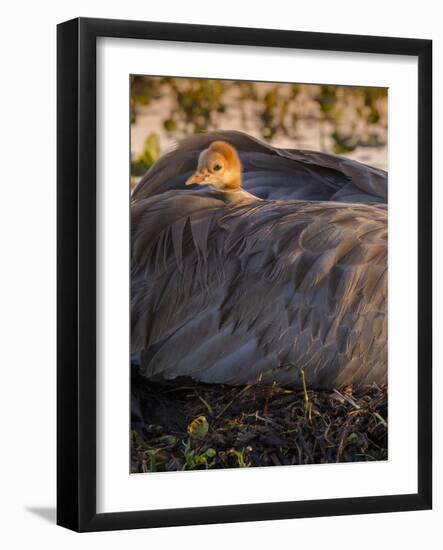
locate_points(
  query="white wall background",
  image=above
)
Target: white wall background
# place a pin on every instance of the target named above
(27, 274)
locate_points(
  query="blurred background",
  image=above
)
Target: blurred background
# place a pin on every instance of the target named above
(345, 120)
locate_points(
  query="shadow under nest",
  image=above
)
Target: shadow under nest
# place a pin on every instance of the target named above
(185, 425)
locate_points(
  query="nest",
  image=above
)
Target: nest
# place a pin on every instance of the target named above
(189, 426)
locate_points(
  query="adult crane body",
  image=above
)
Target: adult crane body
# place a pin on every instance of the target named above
(274, 269)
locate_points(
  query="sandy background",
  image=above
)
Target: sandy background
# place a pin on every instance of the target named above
(310, 120)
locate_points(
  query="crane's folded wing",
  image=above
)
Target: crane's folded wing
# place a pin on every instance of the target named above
(258, 292)
(270, 172)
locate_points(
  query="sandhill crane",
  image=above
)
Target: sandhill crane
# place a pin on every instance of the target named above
(252, 264)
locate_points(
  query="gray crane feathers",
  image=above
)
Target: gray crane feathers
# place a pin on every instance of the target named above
(271, 173)
(243, 292)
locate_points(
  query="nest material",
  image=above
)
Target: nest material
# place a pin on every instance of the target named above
(187, 425)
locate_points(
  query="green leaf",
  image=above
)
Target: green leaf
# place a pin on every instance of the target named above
(151, 151)
(352, 438)
(198, 428)
(170, 125)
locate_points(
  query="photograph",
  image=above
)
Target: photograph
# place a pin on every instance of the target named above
(258, 273)
(219, 263)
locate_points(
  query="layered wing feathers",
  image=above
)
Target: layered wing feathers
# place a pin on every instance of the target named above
(271, 173)
(246, 293)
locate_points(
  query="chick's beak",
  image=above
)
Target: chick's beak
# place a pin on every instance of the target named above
(200, 177)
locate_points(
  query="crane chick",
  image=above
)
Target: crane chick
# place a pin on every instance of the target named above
(220, 168)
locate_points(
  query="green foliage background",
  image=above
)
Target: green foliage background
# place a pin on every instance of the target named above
(344, 116)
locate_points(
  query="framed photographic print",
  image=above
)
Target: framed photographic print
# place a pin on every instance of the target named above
(244, 274)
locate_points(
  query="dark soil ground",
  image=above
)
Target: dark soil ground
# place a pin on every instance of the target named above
(186, 425)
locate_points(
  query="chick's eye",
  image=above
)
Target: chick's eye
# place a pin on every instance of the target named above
(217, 167)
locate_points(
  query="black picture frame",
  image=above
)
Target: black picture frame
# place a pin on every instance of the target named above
(76, 265)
